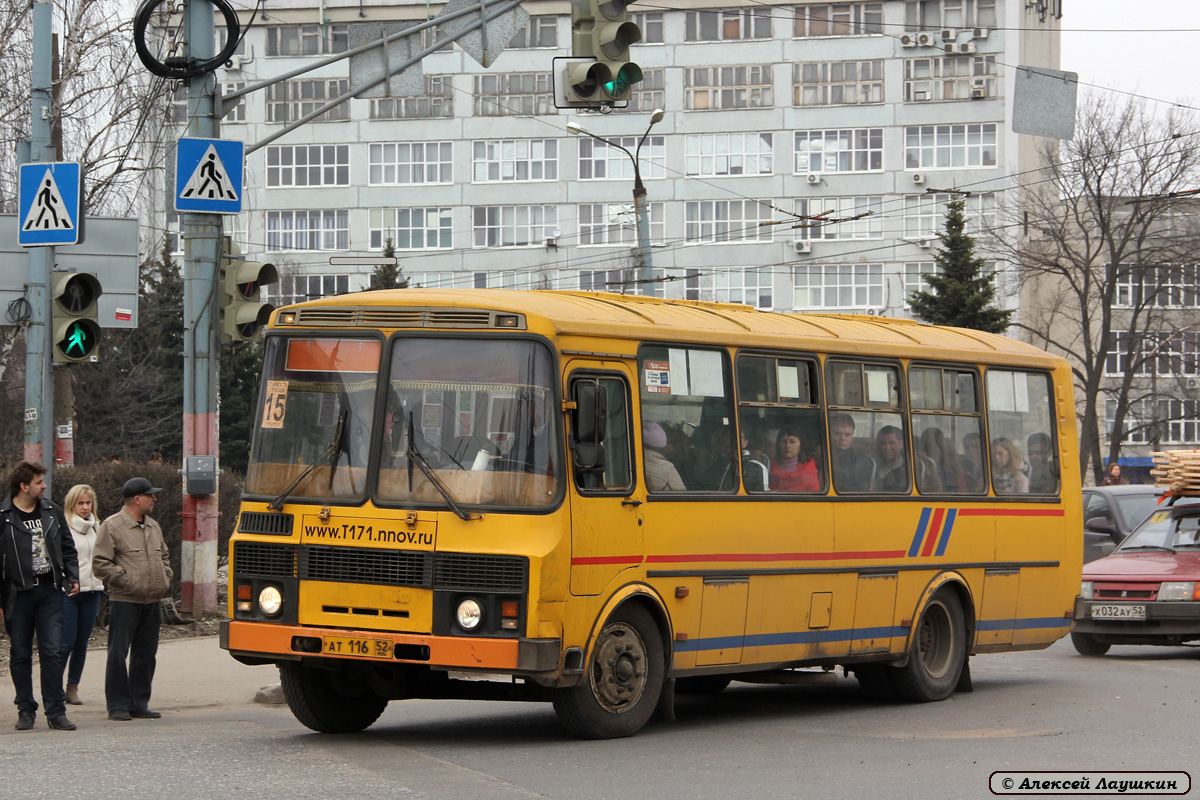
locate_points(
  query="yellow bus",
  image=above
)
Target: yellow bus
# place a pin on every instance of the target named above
(598, 500)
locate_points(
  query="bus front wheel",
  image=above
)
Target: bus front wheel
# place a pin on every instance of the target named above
(624, 679)
(330, 700)
(939, 650)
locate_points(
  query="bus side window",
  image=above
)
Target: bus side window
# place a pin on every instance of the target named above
(782, 436)
(864, 398)
(1020, 419)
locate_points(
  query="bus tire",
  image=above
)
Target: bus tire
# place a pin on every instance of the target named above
(330, 700)
(875, 680)
(702, 684)
(623, 680)
(1088, 645)
(939, 650)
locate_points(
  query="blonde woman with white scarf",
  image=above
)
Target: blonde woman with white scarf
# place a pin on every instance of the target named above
(79, 611)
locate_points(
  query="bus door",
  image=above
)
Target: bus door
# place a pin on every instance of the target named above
(606, 517)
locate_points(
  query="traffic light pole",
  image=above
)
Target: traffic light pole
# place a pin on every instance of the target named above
(201, 349)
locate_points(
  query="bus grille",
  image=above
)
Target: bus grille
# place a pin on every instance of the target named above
(479, 573)
(260, 522)
(264, 560)
(359, 565)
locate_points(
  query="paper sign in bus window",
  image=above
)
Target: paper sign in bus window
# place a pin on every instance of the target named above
(789, 382)
(657, 375)
(707, 373)
(276, 405)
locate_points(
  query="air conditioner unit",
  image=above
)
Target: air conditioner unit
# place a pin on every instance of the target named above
(237, 62)
(950, 47)
(926, 40)
(908, 40)
(803, 247)
(924, 243)
(918, 177)
(814, 178)
(978, 92)
(980, 33)
(966, 48)
(920, 95)
(949, 35)
(1192, 383)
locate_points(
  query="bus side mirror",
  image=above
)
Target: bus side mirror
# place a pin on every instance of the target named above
(588, 425)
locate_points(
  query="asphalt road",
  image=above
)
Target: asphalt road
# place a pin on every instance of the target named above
(1134, 709)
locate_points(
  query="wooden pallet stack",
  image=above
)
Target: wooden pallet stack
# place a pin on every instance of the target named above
(1177, 471)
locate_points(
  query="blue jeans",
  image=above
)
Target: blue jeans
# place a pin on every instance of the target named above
(37, 611)
(79, 616)
(132, 634)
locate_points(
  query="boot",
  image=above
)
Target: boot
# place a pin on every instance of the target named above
(73, 694)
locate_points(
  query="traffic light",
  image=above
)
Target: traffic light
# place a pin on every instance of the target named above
(241, 312)
(601, 30)
(74, 320)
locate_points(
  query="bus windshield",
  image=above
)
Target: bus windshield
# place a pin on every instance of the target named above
(314, 427)
(470, 421)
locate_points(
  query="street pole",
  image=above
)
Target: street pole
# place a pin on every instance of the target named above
(39, 387)
(640, 204)
(201, 348)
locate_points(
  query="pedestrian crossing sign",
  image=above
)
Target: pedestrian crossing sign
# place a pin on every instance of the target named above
(208, 175)
(49, 212)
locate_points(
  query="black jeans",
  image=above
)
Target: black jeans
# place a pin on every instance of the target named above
(38, 610)
(132, 635)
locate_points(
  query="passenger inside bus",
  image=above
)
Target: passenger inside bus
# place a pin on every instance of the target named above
(853, 470)
(661, 474)
(794, 469)
(971, 462)
(944, 473)
(755, 465)
(1008, 476)
(1043, 473)
(892, 463)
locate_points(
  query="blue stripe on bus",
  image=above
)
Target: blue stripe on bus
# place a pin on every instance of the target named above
(920, 534)
(1021, 624)
(950, 515)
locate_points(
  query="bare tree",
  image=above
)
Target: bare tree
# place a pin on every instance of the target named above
(1100, 245)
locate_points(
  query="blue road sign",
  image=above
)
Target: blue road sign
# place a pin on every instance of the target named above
(208, 175)
(49, 212)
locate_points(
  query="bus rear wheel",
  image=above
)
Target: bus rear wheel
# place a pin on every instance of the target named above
(623, 681)
(939, 650)
(1088, 645)
(330, 700)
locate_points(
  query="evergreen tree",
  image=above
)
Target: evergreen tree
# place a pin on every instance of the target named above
(960, 295)
(239, 365)
(388, 276)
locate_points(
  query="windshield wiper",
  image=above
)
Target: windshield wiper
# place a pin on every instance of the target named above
(330, 459)
(1148, 547)
(415, 457)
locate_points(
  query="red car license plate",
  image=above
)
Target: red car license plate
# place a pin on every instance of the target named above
(1118, 612)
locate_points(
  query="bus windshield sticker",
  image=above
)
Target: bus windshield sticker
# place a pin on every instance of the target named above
(658, 377)
(276, 404)
(708, 377)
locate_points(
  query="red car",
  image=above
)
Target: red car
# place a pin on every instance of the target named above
(1148, 590)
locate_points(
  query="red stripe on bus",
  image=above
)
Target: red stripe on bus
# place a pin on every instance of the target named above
(935, 528)
(774, 556)
(586, 560)
(1011, 512)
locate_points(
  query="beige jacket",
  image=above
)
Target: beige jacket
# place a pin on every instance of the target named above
(132, 560)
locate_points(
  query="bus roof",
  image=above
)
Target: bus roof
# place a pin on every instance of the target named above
(636, 317)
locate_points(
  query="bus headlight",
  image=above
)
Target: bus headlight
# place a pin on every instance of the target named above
(1085, 590)
(270, 601)
(469, 614)
(1176, 590)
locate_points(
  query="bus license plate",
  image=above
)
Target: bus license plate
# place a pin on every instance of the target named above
(1118, 612)
(360, 646)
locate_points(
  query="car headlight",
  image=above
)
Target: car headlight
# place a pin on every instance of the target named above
(270, 600)
(1177, 590)
(1085, 590)
(469, 614)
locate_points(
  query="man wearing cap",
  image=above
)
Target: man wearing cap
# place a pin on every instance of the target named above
(132, 560)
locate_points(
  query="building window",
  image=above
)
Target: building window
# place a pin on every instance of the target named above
(1173, 354)
(308, 230)
(299, 288)
(719, 154)
(238, 114)
(307, 40)
(950, 146)
(517, 280)
(408, 163)
(514, 94)
(650, 93)
(607, 223)
(1159, 285)
(651, 25)
(291, 100)
(837, 83)
(752, 286)
(538, 32)
(727, 221)
(728, 24)
(925, 214)
(438, 101)
(914, 278)
(177, 107)
(854, 150)
(931, 15)
(223, 39)
(723, 88)
(437, 280)
(950, 78)
(838, 286)
(839, 19)
(308, 165)
(502, 160)
(411, 228)
(868, 210)
(598, 161)
(1175, 421)
(513, 226)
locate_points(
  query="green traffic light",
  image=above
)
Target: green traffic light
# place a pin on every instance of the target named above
(79, 338)
(626, 76)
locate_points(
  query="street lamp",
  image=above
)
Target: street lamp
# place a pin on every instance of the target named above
(645, 270)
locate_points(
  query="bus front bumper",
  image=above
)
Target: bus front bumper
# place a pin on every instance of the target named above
(265, 642)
